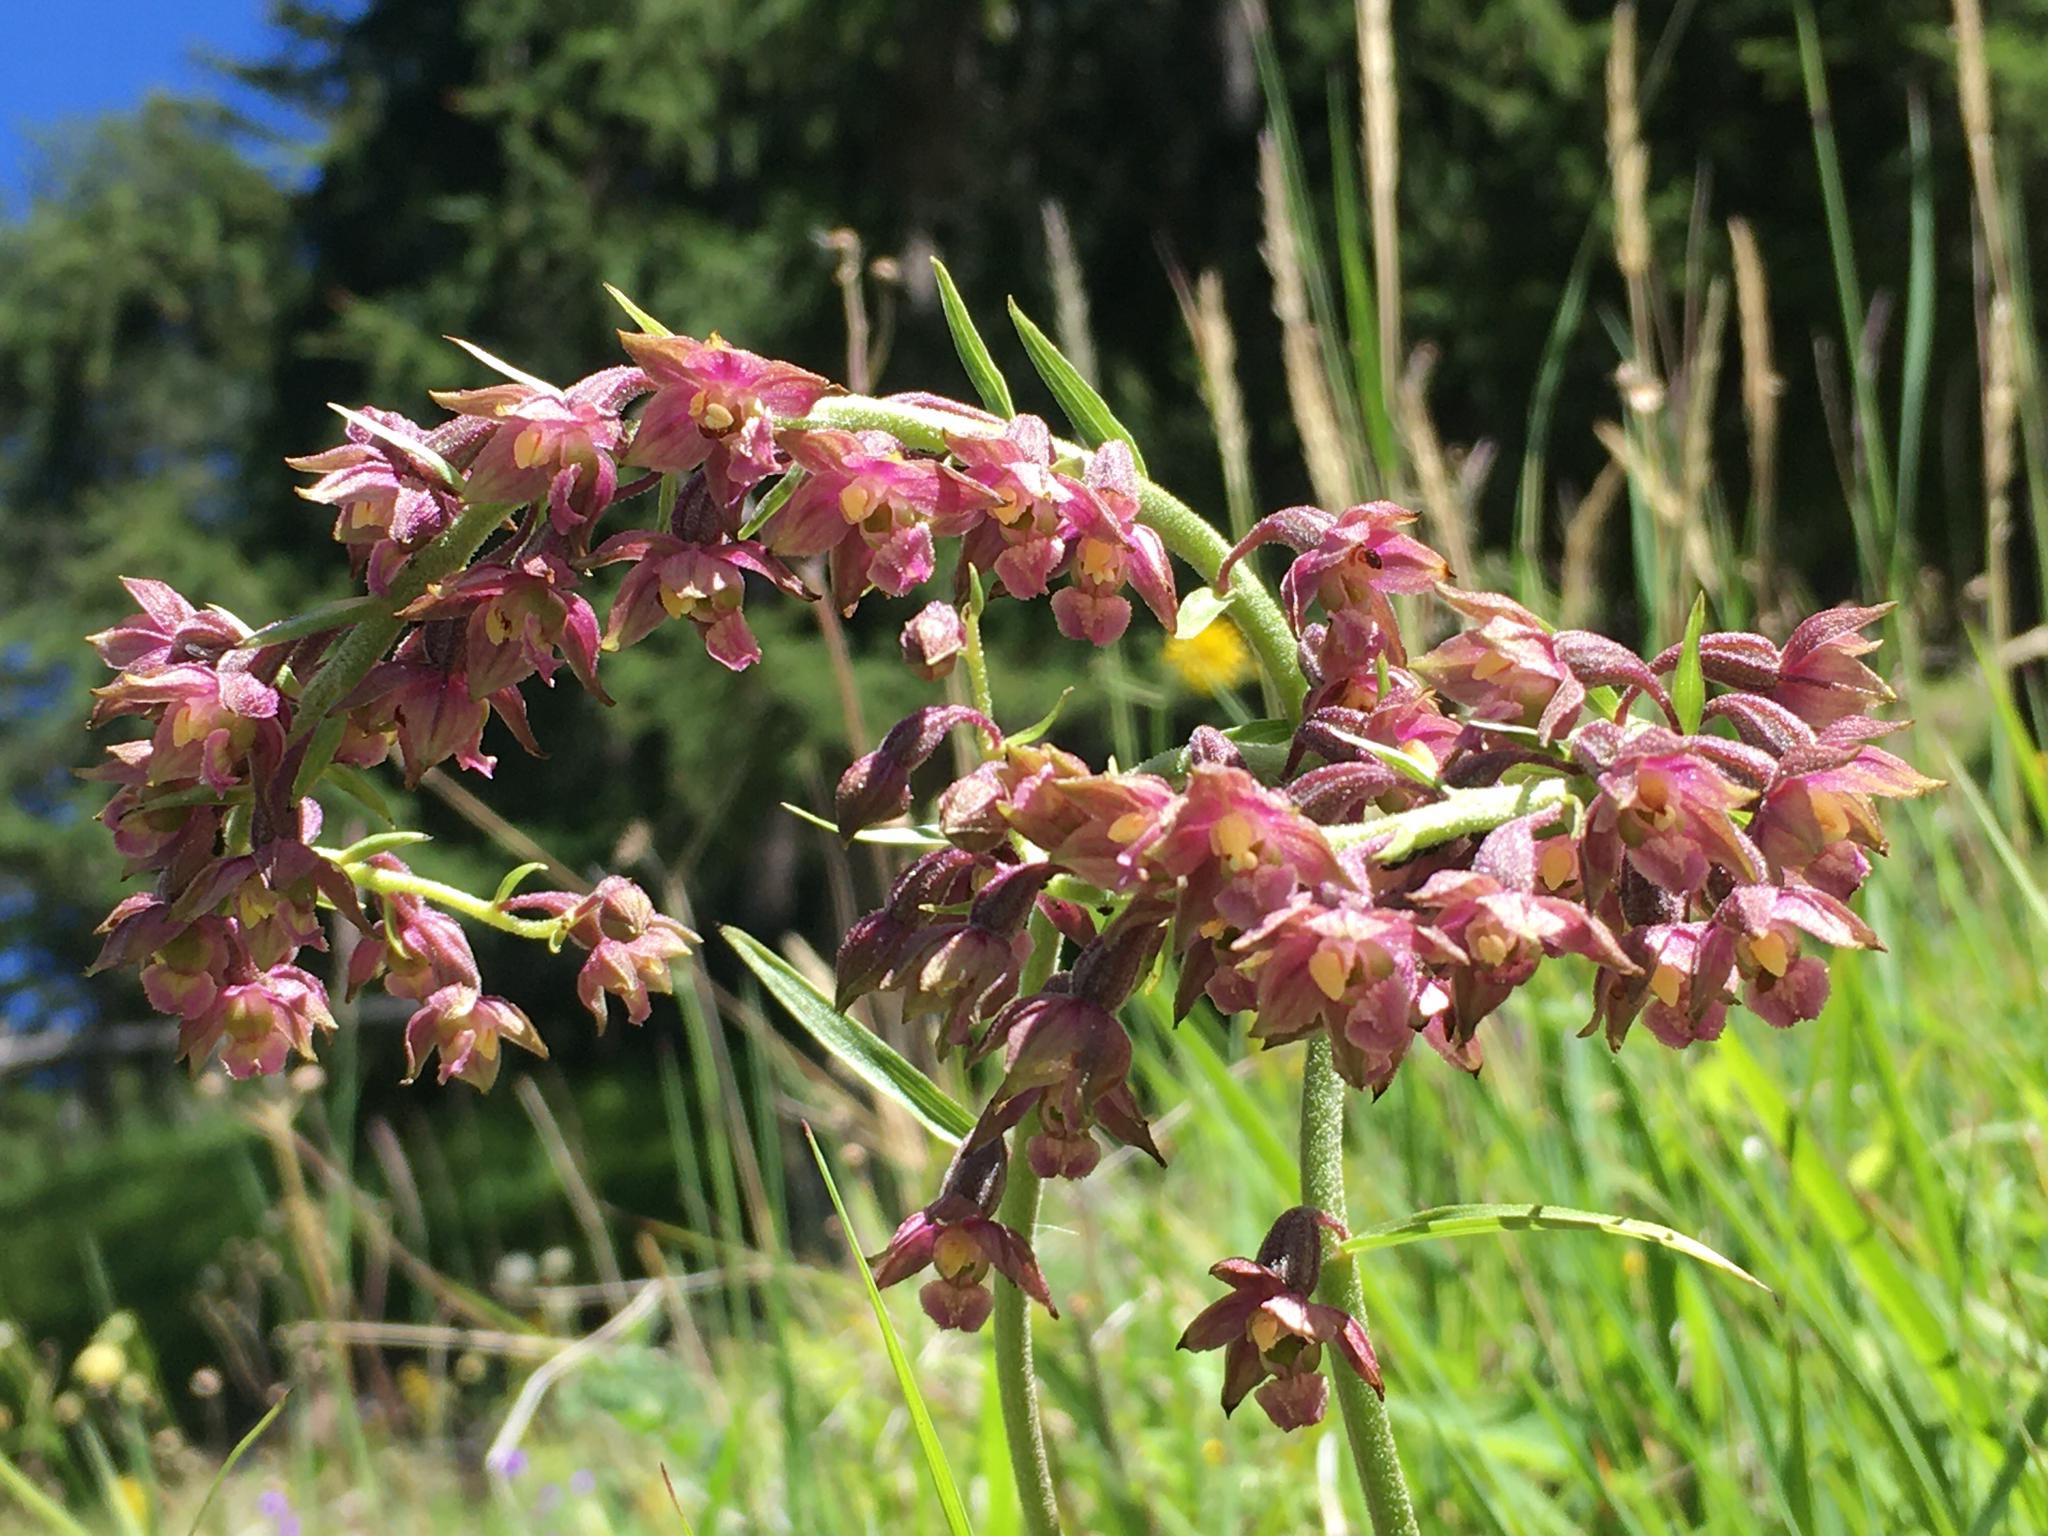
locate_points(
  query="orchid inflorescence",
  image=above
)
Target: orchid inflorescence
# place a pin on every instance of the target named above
(1387, 863)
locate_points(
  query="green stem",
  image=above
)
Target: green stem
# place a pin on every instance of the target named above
(1366, 1425)
(1460, 813)
(361, 648)
(391, 882)
(981, 696)
(1185, 532)
(1016, 1380)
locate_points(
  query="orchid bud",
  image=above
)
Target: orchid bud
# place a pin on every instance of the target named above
(932, 640)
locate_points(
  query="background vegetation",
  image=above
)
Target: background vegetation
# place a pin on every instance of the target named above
(173, 316)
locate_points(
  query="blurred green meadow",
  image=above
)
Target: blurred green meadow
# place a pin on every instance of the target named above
(1733, 299)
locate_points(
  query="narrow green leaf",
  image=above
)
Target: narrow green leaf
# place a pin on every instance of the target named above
(321, 746)
(864, 1053)
(879, 837)
(411, 447)
(941, 1475)
(1988, 823)
(514, 878)
(2021, 751)
(1858, 1240)
(497, 364)
(379, 842)
(667, 1481)
(772, 503)
(1198, 610)
(314, 621)
(1042, 724)
(362, 789)
(1399, 761)
(641, 318)
(982, 372)
(1086, 409)
(1478, 1220)
(1689, 684)
(48, 1514)
(241, 1449)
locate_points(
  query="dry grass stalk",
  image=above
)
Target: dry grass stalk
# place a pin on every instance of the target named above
(1761, 386)
(1308, 388)
(844, 244)
(1973, 78)
(1628, 162)
(1381, 130)
(1069, 293)
(1203, 311)
(2000, 415)
(582, 1199)
(1584, 526)
(1448, 518)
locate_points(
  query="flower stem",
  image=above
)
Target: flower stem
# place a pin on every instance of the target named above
(982, 697)
(1366, 1424)
(365, 643)
(1184, 531)
(1016, 1380)
(391, 882)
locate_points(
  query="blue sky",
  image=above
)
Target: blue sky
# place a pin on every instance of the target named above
(67, 62)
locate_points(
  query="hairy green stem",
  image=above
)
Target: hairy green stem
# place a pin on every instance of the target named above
(1366, 1425)
(391, 882)
(1016, 1379)
(976, 658)
(1016, 1375)
(1460, 813)
(366, 642)
(1184, 531)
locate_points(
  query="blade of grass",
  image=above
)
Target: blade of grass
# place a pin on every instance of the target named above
(950, 1505)
(1876, 537)
(1361, 307)
(233, 1459)
(46, 1511)
(1308, 245)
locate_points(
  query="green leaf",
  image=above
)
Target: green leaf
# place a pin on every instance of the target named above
(1198, 610)
(48, 1514)
(982, 372)
(362, 789)
(314, 621)
(376, 843)
(321, 746)
(514, 878)
(1689, 685)
(1042, 724)
(772, 503)
(880, 837)
(920, 1417)
(497, 364)
(641, 318)
(861, 1050)
(1399, 761)
(241, 1449)
(1477, 1220)
(411, 447)
(1086, 409)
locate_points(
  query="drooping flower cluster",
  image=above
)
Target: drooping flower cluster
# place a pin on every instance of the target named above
(1388, 863)
(1343, 887)
(479, 538)
(207, 809)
